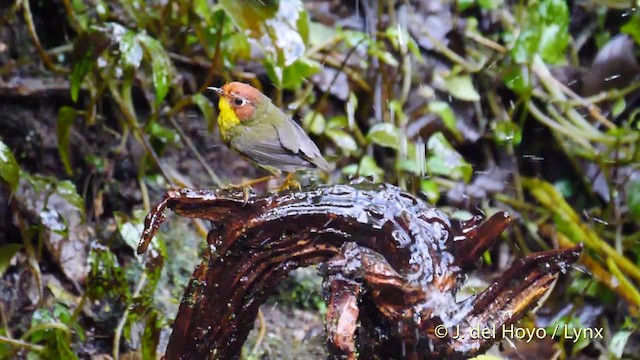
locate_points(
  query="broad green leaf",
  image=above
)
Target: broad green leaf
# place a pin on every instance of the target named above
(295, 74)
(446, 115)
(164, 134)
(464, 4)
(63, 347)
(518, 79)
(106, 279)
(384, 134)
(564, 187)
(274, 23)
(430, 189)
(151, 337)
(314, 122)
(303, 26)
(461, 87)
(444, 160)
(67, 190)
(160, 64)
(6, 254)
(384, 56)
(366, 167)
(274, 72)
(66, 116)
(633, 198)
(250, 14)
(618, 343)
(618, 107)
(553, 42)
(130, 229)
(202, 8)
(206, 108)
(78, 73)
(130, 50)
(490, 4)
(342, 139)
(545, 32)
(507, 132)
(632, 27)
(9, 169)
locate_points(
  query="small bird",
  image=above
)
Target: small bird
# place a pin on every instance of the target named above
(258, 130)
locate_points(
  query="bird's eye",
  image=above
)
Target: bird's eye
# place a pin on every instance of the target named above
(239, 101)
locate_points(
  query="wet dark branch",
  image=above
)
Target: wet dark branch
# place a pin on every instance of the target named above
(391, 261)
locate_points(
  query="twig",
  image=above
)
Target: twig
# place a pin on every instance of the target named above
(21, 343)
(556, 88)
(46, 326)
(485, 41)
(624, 285)
(73, 20)
(123, 320)
(195, 152)
(533, 109)
(36, 41)
(261, 332)
(609, 95)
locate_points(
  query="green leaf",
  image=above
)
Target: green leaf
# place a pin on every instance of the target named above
(66, 116)
(490, 4)
(202, 8)
(206, 108)
(446, 115)
(106, 279)
(160, 64)
(303, 26)
(9, 169)
(545, 32)
(130, 229)
(553, 42)
(618, 107)
(67, 190)
(6, 254)
(342, 139)
(314, 122)
(164, 134)
(517, 79)
(295, 74)
(632, 27)
(151, 337)
(507, 132)
(384, 134)
(461, 87)
(618, 343)
(430, 189)
(464, 4)
(366, 167)
(274, 72)
(78, 73)
(633, 199)
(444, 160)
(564, 187)
(130, 50)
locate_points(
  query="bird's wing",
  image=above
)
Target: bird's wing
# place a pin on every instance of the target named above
(268, 150)
(293, 138)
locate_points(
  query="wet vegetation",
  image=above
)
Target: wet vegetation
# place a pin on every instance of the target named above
(474, 106)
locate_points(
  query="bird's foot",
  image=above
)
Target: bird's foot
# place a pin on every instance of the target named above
(290, 183)
(246, 186)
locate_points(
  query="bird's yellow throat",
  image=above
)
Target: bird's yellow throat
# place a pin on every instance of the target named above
(227, 119)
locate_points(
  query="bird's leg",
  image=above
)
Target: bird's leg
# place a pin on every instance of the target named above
(290, 182)
(245, 186)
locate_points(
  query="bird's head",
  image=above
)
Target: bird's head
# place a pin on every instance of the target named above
(238, 98)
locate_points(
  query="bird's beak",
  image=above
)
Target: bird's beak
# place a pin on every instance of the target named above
(217, 90)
